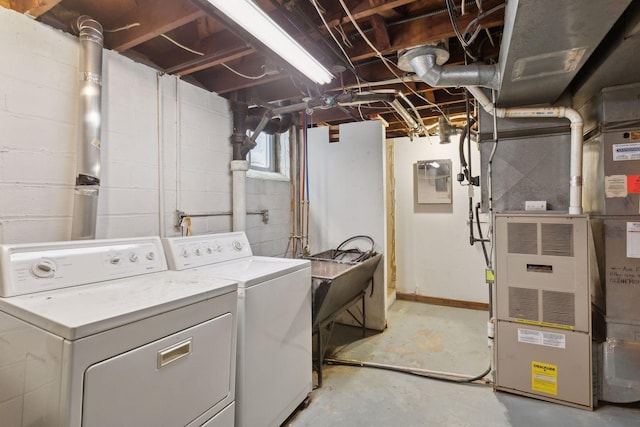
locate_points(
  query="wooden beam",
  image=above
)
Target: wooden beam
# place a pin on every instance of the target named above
(32, 8)
(425, 30)
(382, 41)
(155, 17)
(366, 9)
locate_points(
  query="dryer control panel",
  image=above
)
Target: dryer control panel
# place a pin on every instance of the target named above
(36, 267)
(197, 251)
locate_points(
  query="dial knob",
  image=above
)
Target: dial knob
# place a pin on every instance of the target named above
(44, 268)
(237, 245)
(151, 256)
(198, 252)
(185, 253)
(115, 260)
(219, 248)
(133, 257)
(209, 251)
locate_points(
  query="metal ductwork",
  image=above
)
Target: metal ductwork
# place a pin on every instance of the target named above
(542, 52)
(85, 209)
(427, 62)
(424, 61)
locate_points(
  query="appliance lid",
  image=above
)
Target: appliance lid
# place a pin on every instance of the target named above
(77, 312)
(256, 269)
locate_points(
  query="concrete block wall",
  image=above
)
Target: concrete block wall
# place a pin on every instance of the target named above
(272, 238)
(163, 141)
(37, 123)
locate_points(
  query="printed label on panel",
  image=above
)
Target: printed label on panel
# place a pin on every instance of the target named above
(633, 184)
(547, 339)
(544, 377)
(629, 151)
(633, 239)
(615, 186)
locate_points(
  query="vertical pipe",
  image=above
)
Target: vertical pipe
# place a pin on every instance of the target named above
(85, 209)
(294, 139)
(160, 106)
(239, 170)
(178, 147)
(239, 165)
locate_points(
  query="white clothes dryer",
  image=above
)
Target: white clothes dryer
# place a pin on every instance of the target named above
(98, 333)
(274, 366)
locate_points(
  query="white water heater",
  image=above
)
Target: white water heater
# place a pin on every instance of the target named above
(548, 299)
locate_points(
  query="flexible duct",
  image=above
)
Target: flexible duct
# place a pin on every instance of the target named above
(85, 209)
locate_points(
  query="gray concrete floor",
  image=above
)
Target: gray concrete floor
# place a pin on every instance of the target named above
(434, 338)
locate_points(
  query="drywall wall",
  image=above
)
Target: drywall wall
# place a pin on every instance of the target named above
(433, 254)
(347, 197)
(163, 141)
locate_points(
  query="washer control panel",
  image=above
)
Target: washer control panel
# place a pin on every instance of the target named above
(198, 251)
(35, 267)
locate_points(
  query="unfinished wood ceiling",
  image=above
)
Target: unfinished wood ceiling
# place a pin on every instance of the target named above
(191, 39)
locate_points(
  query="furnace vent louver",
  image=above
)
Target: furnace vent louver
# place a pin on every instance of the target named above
(557, 239)
(523, 303)
(558, 308)
(523, 238)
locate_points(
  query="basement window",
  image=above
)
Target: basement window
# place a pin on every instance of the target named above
(269, 159)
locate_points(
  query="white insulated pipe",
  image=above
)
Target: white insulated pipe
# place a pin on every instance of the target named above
(575, 168)
(239, 170)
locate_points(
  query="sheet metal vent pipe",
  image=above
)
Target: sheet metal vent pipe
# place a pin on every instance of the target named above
(85, 209)
(426, 62)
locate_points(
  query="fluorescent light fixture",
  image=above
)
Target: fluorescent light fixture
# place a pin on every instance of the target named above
(256, 22)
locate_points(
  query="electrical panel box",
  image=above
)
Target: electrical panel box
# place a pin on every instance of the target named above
(547, 290)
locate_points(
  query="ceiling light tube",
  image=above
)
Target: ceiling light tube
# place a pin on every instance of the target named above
(256, 22)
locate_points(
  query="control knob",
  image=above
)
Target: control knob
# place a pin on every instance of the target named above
(44, 269)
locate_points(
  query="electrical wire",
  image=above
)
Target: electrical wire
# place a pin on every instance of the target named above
(243, 75)
(385, 61)
(126, 27)
(454, 24)
(321, 14)
(181, 45)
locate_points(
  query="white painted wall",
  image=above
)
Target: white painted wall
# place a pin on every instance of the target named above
(433, 255)
(347, 197)
(183, 134)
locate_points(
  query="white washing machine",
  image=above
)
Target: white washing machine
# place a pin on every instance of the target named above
(99, 333)
(274, 372)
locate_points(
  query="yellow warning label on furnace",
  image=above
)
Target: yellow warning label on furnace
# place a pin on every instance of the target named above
(544, 378)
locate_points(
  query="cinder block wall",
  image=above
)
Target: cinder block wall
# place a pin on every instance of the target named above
(151, 125)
